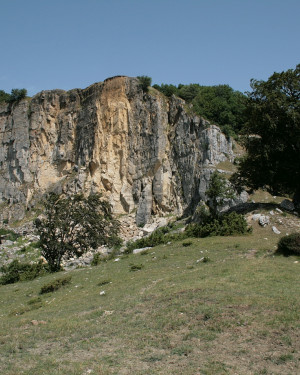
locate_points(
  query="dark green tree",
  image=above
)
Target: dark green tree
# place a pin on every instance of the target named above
(17, 94)
(272, 135)
(167, 90)
(74, 224)
(145, 82)
(221, 105)
(4, 96)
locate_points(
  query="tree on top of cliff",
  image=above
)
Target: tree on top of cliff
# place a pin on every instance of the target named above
(4, 96)
(74, 224)
(219, 104)
(17, 94)
(14, 96)
(145, 82)
(272, 135)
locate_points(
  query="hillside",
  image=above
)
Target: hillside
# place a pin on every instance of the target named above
(220, 305)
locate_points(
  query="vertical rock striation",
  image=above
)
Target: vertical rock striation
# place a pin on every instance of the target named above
(144, 152)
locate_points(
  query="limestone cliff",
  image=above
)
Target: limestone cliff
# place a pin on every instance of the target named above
(146, 153)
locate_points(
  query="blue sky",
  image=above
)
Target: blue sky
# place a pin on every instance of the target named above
(48, 44)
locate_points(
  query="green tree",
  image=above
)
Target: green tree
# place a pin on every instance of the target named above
(272, 135)
(167, 90)
(17, 94)
(145, 82)
(218, 191)
(222, 105)
(4, 96)
(74, 224)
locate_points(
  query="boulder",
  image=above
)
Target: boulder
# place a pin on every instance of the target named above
(288, 205)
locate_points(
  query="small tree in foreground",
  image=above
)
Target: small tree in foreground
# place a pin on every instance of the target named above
(218, 191)
(74, 224)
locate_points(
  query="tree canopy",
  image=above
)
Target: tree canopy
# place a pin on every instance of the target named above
(4, 96)
(219, 104)
(272, 135)
(14, 96)
(74, 224)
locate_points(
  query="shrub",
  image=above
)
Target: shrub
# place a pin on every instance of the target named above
(96, 259)
(233, 223)
(135, 267)
(145, 82)
(17, 271)
(55, 285)
(225, 225)
(289, 245)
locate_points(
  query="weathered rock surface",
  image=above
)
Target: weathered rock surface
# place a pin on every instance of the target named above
(144, 152)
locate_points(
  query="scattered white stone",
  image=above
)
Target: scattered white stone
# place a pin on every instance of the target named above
(106, 312)
(275, 230)
(279, 210)
(272, 212)
(169, 243)
(137, 251)
(117, 259)
(102, 293)
(199, 260)
(264, 220)
(256, 217)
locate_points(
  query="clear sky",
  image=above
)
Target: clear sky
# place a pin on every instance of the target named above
(48, 44)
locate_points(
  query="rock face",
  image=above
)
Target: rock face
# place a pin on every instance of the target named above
(144, 152)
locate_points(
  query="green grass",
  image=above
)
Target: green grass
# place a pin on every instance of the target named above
(237, 314)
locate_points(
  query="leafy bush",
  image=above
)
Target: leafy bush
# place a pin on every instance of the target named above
(135, 267)
(226, 225)
(233, 223)
(55, 285)
(96, 259)
(289, 245)
(17, 271)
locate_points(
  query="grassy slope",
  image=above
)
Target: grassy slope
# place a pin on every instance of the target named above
(238, 314)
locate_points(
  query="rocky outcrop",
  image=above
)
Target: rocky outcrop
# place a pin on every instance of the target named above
(144, 152)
